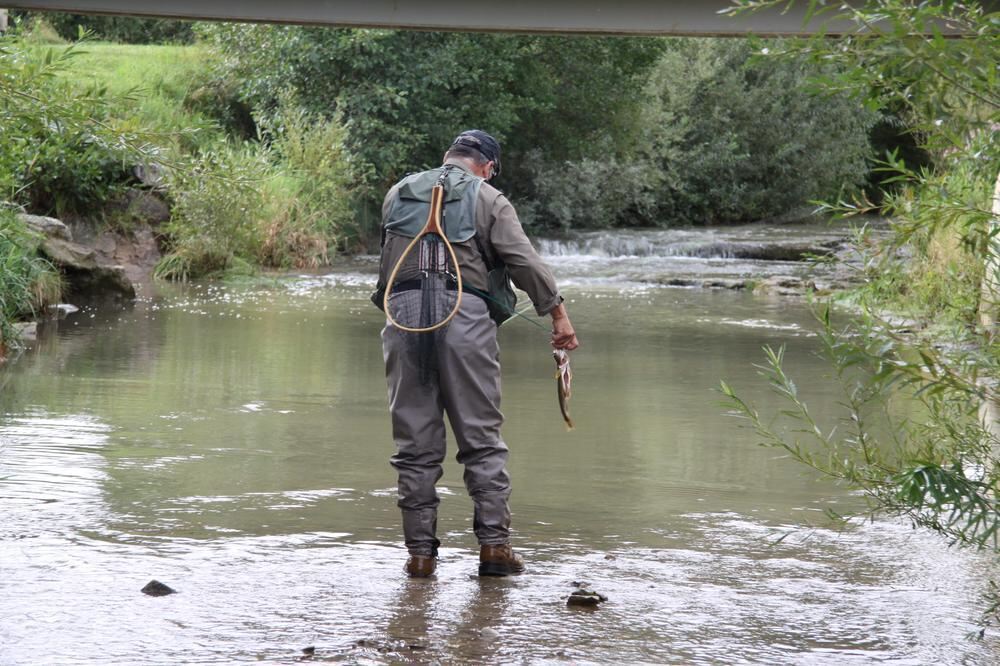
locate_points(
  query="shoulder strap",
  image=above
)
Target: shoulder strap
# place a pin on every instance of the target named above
(485, 255)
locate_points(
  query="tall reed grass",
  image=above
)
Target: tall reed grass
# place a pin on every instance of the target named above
(28, 282)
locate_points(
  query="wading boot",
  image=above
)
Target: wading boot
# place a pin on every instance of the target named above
(420, 566)
(499, 560)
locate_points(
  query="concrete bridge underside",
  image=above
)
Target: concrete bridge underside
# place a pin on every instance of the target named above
(623, 17)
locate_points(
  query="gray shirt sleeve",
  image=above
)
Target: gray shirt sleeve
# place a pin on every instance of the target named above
(512, 246)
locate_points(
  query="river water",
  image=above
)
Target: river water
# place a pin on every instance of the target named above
(232, 442)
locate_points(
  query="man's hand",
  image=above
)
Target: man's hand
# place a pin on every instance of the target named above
(563, 335)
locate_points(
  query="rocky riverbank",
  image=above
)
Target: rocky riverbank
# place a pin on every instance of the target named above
(98, 263)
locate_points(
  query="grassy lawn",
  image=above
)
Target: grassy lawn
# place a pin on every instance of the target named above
(151, 83)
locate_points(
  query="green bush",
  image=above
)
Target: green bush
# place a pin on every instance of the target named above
(58, 150)
(588, 193)
(220, 99)
(734, 139)
(56, 168)
(217, 200)
(282, 202)
(932, 267)
(314, 154)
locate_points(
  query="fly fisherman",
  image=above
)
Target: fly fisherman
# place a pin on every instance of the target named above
(456, 370)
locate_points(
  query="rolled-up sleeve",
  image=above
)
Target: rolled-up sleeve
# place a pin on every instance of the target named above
(526, 268)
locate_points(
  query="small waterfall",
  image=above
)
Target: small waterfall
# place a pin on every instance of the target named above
(602, 244)
(700, 243)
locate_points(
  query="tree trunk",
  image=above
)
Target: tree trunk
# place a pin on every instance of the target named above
(989, 298)
(989, 308)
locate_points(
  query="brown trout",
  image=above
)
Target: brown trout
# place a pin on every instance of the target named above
(563, 378)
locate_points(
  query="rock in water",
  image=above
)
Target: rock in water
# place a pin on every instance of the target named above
(62, 310)
(155, 588)
(585, 597)
(27, 331)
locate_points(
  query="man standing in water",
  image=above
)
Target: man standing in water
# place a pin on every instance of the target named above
(460, 375)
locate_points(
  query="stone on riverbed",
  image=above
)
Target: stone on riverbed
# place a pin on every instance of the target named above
(27, 331)
(585, 597)
(785, 285)
(155, 588)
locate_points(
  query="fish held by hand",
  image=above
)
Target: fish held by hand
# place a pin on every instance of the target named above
(564, 376)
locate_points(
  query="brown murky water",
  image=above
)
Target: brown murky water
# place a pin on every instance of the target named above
(232, 442)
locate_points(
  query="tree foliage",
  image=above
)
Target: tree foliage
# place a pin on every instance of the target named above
(736, 138)
(405, 95)
(940, 467)
(59, 149)
(596, 131)
(123, 29)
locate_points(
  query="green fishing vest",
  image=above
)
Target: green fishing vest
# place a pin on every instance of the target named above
(408, 210)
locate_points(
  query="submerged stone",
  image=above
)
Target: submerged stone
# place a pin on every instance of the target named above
(155, 588)
(585, 597)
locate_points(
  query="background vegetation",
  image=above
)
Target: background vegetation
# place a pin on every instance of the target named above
(122, 29)
(277, 143)
(919, 363)
(702, 134)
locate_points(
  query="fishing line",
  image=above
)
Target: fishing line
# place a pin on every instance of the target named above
(517, 313)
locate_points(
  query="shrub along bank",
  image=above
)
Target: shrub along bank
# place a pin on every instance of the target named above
(597, 132)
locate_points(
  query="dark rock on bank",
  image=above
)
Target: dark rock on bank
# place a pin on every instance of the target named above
(49, 227)
(155, 588)
(151, 175)
(85, 275)
(143, 207)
